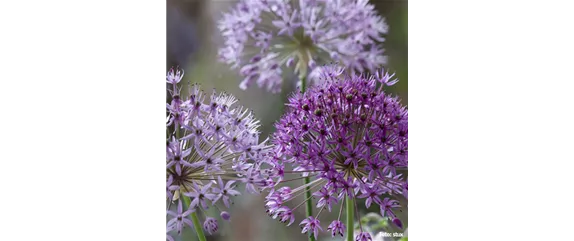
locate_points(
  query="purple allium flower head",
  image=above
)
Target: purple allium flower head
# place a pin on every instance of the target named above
(264, 38)
(350, 138)
(212, 145)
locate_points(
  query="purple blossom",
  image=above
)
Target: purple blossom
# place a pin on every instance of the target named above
(276, 198)
(311, 225)
(263, 38)
(363, 236)
(386, 78)
(179, 218)
(285, 214)
(225, 191)
(350, 138)
(209, 161)
(326, 198)
(225, 215)
(398, 222)
(386, 207)
(200, 195)
(210, 225)
(287, 23)
(337, 227)
(211, 146)
(253, 180)
(372, 194)
(170, 188)
(174, 76)
(176, 156)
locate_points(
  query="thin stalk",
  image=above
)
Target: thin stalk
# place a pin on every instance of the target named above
(308, 179)
(350, 215)
(195, 220)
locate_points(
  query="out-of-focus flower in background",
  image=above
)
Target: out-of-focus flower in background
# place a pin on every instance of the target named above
(264, 38)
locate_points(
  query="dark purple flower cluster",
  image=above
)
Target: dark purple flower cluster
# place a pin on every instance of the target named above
(211, 147)
(350, 138)
(265, 37)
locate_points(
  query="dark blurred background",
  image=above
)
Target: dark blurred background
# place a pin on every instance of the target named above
(192, 42)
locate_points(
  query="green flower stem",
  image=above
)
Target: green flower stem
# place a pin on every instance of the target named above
(309, 205)
(350, 215)
(307, 179)
(195, 220)
(197, 227)
(303, 84)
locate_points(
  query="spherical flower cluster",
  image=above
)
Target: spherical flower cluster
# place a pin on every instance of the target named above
(265, 37)
(211, 147)
(351, 140)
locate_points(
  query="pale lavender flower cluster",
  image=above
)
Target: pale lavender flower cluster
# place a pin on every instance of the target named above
(351, 139)
(212, 146)
(265, 37)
